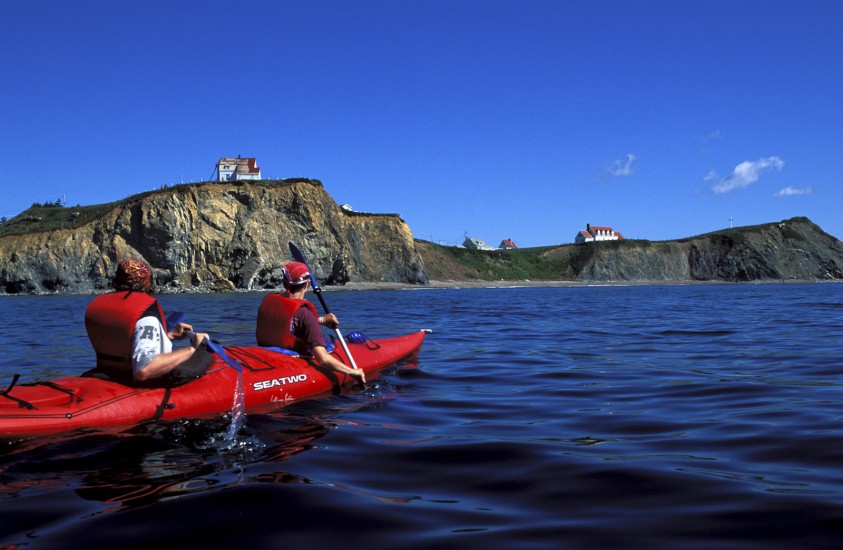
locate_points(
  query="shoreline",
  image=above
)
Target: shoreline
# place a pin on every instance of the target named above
(452, 284)
(455, 285)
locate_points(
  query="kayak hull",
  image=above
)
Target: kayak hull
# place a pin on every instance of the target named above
(269, 379)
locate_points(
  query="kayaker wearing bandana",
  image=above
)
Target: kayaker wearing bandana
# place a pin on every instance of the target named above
(129, 331)
(290, 321)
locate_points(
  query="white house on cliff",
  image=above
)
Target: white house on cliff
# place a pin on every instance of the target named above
(231, 169)
(476, 244)
(594, 233)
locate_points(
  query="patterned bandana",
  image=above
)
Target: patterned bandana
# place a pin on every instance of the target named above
(133, 275)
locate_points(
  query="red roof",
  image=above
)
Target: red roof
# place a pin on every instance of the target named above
(251, 165)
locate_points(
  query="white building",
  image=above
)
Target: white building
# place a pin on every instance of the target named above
(476, 244)
(594, 233)
(231, 169)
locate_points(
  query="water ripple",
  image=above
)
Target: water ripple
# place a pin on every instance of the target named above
(677, 416)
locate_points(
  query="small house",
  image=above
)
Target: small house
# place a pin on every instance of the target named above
(507, 244)
(233, 169)
(476, 244)
(594, 233)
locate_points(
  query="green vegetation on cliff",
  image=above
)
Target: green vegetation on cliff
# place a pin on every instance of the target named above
(740, 234)
(457, 263)
(545, 263)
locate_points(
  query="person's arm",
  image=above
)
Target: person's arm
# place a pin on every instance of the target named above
(312, 333)
(165, 362)
(325, 359)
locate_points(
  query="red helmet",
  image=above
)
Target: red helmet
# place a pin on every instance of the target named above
(295, 274)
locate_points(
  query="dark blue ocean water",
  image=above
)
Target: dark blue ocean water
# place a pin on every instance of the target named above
(702, 416)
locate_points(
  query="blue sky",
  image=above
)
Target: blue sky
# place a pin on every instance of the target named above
(501, 119)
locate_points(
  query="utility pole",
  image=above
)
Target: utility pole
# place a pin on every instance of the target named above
(730, 222)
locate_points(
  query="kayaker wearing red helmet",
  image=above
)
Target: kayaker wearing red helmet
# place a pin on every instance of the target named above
(290, 321)
(129, 332)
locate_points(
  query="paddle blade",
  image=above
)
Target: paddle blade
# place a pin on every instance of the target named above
(218, 350)
(175, 318)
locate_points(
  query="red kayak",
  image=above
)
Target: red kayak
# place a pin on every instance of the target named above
(270, 380)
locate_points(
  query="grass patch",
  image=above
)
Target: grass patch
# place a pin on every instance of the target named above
(739, 234)
(539, 263)
(546, 263)
(453, 262)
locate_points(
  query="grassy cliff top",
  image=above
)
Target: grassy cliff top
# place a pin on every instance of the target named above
(50, 217)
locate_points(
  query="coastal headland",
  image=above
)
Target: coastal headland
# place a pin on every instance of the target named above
(229, 236)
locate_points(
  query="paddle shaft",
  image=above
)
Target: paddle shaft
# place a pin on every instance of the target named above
(318, 292)
(219, 351)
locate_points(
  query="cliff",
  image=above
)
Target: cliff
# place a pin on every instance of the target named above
(227, 236)
(212, 236)
(788, 250)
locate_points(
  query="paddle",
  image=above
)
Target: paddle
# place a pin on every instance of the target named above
(178, 317)
(299, 257)
(213, 347)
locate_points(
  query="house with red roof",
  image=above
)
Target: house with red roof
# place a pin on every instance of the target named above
(594, 233)
(232, 169)
(507, 244)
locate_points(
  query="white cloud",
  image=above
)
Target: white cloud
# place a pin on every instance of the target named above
(745, 173)
(623, 167)
(790, 191)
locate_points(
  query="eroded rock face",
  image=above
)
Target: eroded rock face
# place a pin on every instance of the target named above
(216, 236)
(791, 249)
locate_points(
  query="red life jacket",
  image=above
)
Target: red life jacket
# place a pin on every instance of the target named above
(110, 321)
(275, 318)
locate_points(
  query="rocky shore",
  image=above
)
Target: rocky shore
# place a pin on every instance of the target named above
(528, 284)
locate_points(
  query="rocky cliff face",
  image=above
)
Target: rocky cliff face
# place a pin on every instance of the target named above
(219, 236)
(791, 249)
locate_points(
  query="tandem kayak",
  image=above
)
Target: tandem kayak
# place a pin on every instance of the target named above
(270, 380)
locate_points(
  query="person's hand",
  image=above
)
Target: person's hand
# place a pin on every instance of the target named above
(180, 331)
(329, 320)
(197, 338)
(358, 374)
